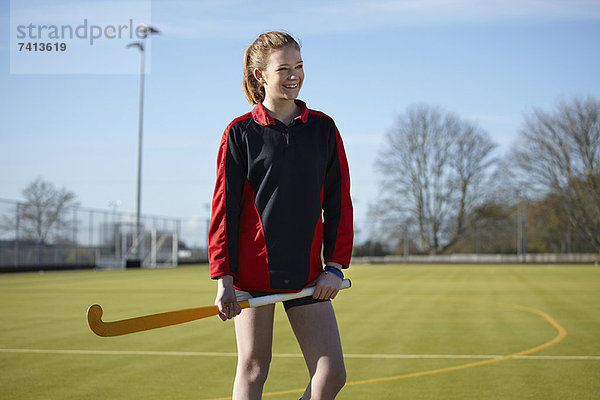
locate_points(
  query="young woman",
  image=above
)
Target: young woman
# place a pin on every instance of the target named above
(281, 203)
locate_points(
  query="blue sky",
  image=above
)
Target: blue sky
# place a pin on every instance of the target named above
(365, 62)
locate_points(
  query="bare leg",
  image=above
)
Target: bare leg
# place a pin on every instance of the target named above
(254, 336)
(316, 329)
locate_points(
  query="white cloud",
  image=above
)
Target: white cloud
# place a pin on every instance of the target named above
(231, 18)
(73, 12)
(190, 19)
(474, 10)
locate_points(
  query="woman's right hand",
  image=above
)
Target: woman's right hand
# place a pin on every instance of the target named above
(226, 300)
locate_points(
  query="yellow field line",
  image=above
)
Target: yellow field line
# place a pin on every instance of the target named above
(561, 334)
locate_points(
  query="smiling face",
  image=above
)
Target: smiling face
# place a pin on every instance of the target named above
(283, 76)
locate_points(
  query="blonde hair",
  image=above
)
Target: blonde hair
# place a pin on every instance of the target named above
(256, 57)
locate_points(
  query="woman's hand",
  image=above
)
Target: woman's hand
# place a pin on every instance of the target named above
(225, 300)
(327, 285)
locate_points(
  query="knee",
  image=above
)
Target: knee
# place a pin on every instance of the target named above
(254, 371)
(331, 380)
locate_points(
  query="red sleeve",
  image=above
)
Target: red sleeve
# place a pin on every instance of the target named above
(226, 203)
(337, 206)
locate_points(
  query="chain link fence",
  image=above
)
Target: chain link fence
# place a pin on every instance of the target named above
(32, 237)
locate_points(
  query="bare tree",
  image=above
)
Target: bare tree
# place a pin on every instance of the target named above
(559, 152)
(432, 165)
(471, 162)
(43, 216)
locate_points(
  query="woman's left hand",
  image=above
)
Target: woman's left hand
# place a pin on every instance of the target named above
(327, 285)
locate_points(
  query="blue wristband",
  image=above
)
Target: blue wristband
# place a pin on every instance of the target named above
(335, 271)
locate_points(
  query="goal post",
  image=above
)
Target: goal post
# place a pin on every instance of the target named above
(156, 245)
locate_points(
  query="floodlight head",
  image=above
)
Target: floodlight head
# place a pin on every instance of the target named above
(147, 30)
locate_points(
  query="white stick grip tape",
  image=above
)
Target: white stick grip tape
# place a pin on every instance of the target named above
(274, 298)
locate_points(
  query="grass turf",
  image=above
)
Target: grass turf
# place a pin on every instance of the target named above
(392, 311)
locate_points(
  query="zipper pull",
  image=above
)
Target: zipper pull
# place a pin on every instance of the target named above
(286, 135)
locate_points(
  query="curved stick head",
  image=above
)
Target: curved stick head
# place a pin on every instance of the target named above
(94, 319)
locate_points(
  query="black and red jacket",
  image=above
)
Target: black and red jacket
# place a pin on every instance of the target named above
(281, 198)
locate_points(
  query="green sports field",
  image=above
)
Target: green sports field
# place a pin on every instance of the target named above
(409, 332)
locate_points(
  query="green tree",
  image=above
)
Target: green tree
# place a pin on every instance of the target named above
(490, 229)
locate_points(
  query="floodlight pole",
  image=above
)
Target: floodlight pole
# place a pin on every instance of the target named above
(143, 31)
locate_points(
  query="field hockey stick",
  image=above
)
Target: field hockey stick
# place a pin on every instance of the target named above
(153, 321)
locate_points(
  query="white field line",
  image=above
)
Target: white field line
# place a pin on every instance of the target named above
(286, 355)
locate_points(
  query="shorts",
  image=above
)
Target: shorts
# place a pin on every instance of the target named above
(242, 295)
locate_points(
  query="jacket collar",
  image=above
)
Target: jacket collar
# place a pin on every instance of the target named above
(261, 116)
